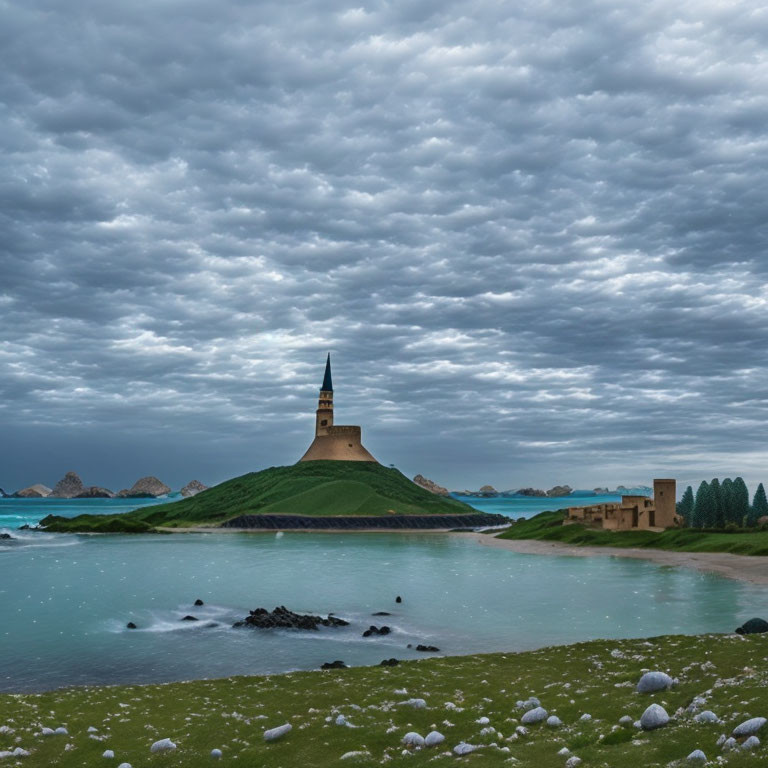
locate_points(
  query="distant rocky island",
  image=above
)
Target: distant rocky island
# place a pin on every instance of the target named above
(489, 492)
(431, 486)
(72, 487)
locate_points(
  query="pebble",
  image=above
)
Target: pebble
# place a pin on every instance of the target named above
(749, 727)
(572, 762)
(463, 748)
(553, 721)
(434, 738)
(625, 720)
(535, 715)
(124, 765)
(413, 739)
(164, 745)
(482, 721)
(415, 703)
(730, 744)
(277, 733)
(654, 717)
(564, 751)
(61, 731)
(697, 756)
(216, 753)
(355, 754)
(586, 716)
(751, 743)
(654, 681)
(707, 716)
(108, 753)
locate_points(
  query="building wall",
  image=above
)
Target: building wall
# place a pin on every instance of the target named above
(342, 443)
(665, 500)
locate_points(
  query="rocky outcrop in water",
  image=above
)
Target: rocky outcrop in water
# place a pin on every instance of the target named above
(3, 494)
(394, 522)
(531, 492)
(753, 627)
(488, 491)
(560, 490)
(95, 492)
(429, 485)
(37, 491)
(68, 487)
(282, 618)
(146, 488)
(193, 488)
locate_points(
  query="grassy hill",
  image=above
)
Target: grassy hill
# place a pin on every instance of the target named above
(548, 526)
(311, 488)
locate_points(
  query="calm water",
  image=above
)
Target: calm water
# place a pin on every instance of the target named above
(65, 600)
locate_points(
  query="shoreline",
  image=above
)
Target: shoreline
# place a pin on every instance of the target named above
(752, 569)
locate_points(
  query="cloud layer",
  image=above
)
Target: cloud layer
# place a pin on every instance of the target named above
(532, 235)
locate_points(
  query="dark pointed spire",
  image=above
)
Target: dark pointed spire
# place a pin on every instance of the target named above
(327, 382)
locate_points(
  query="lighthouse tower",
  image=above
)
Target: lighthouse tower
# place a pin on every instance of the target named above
(333, 443)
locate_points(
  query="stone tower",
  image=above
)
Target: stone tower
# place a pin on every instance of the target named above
(665, 502)
(334, 443)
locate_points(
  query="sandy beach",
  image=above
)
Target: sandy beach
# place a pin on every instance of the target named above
(742, 567)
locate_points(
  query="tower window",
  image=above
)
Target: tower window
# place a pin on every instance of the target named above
(323, 422)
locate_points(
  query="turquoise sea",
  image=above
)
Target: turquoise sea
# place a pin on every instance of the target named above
(66, 600)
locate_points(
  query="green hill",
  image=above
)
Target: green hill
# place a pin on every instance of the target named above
(311, 488)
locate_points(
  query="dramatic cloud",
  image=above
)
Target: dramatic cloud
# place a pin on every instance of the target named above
(532, 235)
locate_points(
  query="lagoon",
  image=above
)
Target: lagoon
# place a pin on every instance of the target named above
(66, 600)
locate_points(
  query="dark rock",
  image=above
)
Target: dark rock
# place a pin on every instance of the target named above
(190, 618)
(199, 602)
(212, 624)
(95, 492)
(351, 522)
(146, 488)
(398, 599)
(427, 648)
(3, 494)
(373, 630)
(25, 527)
(381, 613)
(560, 490)
(338, 664)
(130, 625)
(5, 536)
(282, 618)
(753, 627)
(531, 492)
(389, 663)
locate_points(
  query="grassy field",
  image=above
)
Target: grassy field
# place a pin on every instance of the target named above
(548, 526)
(314, 488)
(596, 678)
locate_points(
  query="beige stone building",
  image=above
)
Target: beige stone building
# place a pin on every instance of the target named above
(334, 443)
(632, 512)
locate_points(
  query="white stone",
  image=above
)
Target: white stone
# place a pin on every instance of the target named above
(654, 681)
(434, 738)
(707, 716)
(554, 721)
(413, 739)
(697, 756)
(585, 717)
(6, 729)
(535, 715)
(61, 731)
(108, 753)
(572, 762)
(341, 720)
(216, 753)
(749, 727)
(164, 745)
(654, 717)
(124, 765)
(482, 721)
(355, 754)
(277, 733)
(564, 751)
(625, 720)
(91, 729)
(730, 744)
(47, 731)
(415, 703)
(751, 743)
(637, 724)
(463, 748)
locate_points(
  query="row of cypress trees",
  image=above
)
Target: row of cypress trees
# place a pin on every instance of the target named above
(717, 505)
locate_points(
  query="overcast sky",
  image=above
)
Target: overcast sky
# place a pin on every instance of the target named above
(531, 234)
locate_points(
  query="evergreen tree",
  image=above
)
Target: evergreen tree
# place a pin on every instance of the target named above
(741, 510)
(759, 506)
(716, 518)
(726, 494)
(701, 506)
(685, 507)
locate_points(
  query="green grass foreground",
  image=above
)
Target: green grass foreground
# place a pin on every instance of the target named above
(547, 526)
(597, 678)
(313, 488)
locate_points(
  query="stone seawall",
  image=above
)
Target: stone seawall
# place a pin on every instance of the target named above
(404, 522)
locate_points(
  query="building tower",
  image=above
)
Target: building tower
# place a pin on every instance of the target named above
(665, 502)
(334, 443)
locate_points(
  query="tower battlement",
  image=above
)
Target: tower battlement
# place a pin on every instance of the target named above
(332, 442)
